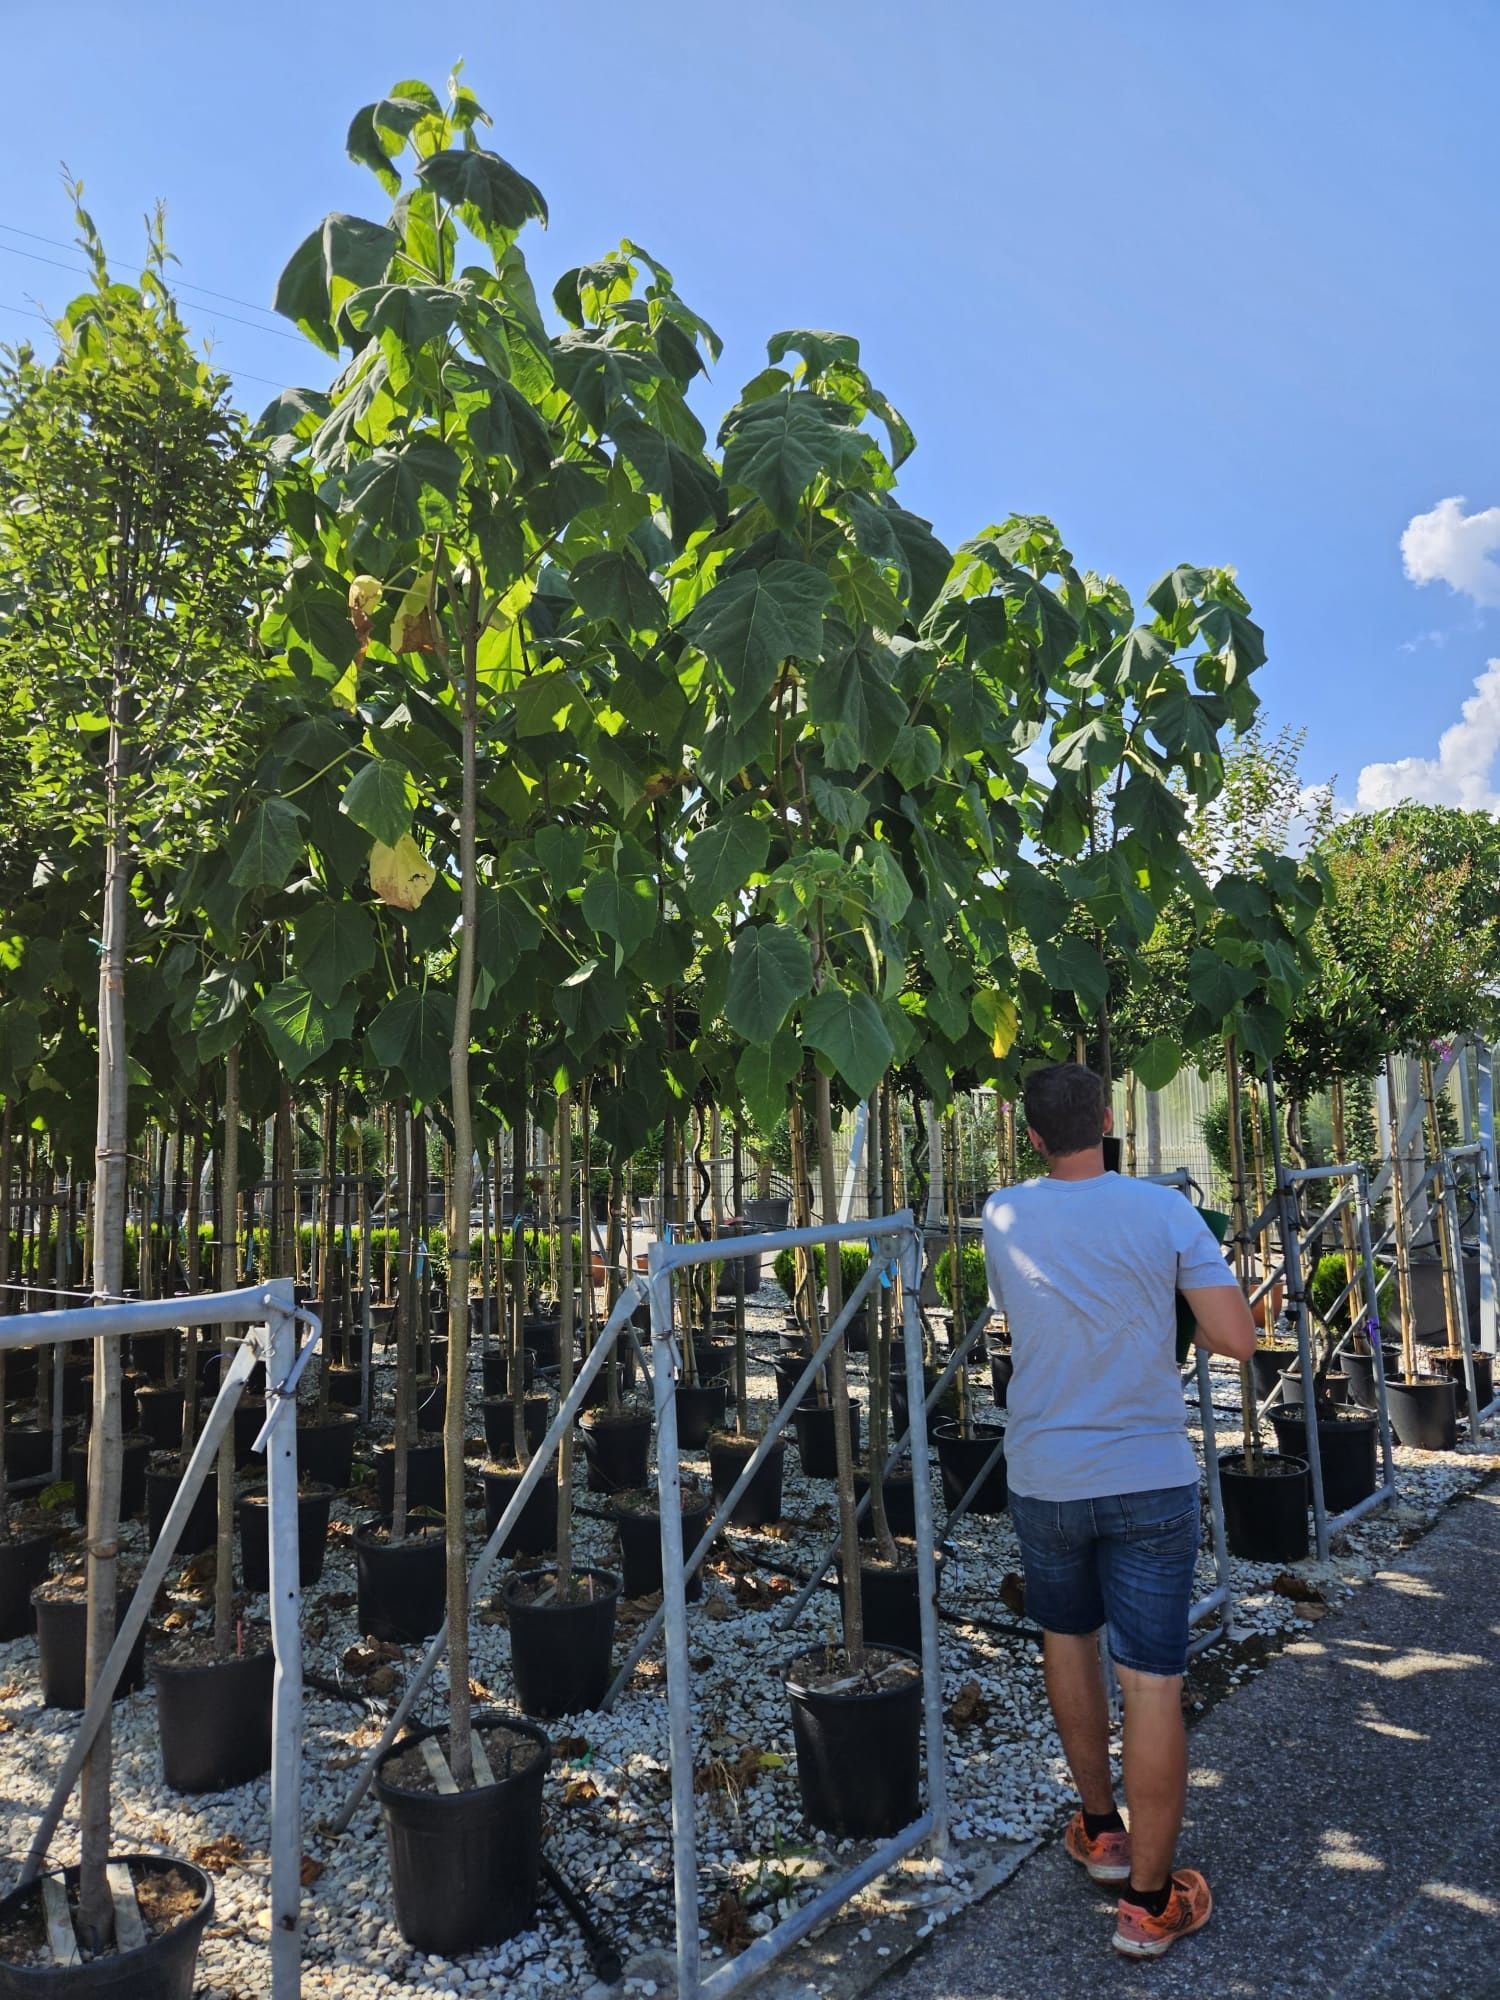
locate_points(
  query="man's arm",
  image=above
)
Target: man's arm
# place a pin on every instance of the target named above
(1224, 1325)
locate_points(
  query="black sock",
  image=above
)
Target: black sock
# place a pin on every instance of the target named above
(1153, 1901)
(1096, 1823)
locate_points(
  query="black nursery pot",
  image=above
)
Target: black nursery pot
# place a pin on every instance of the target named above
(813, 1424)
(597, 1393)
(858, 1754)
(1451, 1367)
(962, 1459)
(500, 1418)
(640, 1544)
(346, 1386)
(1346, 1446)
(788, 1371)
(1424, 1413)
(28, 1451)
(539, 1334)
(400, 1585)
(313, 1502)
(1334, 1388)
(946, 1406)
(23, 1565)
(152, 1353)
(700, 1409)
(61, 1632)
(760, 1504)
(494, 1365)
(1266, 1366)
(158, 1412)
(465, 1868)
(535, 1533)
(325, 1452)
(900, 1500)
(560, 1653)
(1359, 1373)
(215, 1721)
(618, 1449)
(1002, 1367)
(165, 1968)
(424, 1476)
(134, 1453)
(202, 1523)
(892, 1599)
(1265, 1512)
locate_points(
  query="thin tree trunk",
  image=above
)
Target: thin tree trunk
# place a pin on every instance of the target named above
(405, 1325)
(193, 1275)
(1398, 1221)
(520, 1448)
(854, 1614)
(1448, 1251)
(564, 1183)
(1240, 1233)
(741, 1344)
(880, 1347)
(228, 1280)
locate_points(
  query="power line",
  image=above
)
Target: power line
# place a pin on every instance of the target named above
(13, 250)
(182, 285)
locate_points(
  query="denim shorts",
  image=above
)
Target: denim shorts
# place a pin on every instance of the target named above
(1125, 1562)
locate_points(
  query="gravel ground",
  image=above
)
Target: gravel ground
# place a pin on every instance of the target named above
(608, 1818)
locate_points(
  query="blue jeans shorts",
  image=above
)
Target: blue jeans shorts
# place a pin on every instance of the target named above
(1125, 1562)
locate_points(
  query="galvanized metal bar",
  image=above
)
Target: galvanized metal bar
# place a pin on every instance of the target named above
(131, 1316)
(975, 1486)
(1217, 1527)
(1373, 1331)
(921, 1486)
(1489, 1222)
(856, 1156)
(540, 1459)
(1466, 1345)
(712, 1250)
(1292, 1255)
(1410, 1126)
(278, 1440)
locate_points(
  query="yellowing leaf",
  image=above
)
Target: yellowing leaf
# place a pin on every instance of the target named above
(400, 875)
(995, 1014)
(411, 628)
(365, 593)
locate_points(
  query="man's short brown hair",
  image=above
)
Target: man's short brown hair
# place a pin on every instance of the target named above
(1065, 1107)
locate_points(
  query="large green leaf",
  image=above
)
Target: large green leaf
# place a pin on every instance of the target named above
(857, 710)
(620, 902)
(299, 1027)
(722, 858)
(333, 944)
(392, 493)
(614, 586)
(379, 798)
(770, 970)
(1157, 1063)
(763, 1074)
(846, 1026)
(684, 481)
(412, 1035)
(220, 1010)
(753, 621)
(1071, 965)
(779, 445)
(487, 191)
(271, 846)
(342, 255)
(1216, 985)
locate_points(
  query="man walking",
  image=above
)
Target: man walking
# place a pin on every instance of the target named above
(1087, 1265)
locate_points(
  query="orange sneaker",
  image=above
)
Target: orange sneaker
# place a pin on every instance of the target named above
(1140, 1935)
(1106, 1857)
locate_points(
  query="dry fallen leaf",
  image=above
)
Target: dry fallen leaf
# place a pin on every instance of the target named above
(1289, 1584)
(569, 1747)
(729, 1926)
(1013, 1593)
(967, 1707)
(578, 1791)
(312, 1868)
(718, 1607)
(384, 1680)
(217, 1855)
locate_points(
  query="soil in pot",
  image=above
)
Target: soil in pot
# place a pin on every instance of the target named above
(325, 1451)
(61, 1621)
(638, 1525)
(900, 1499)
(700, 1410)
(176, 1901)
(500, 1421)
(1346, 1443)
(254, 1511)
(1265, 1508)
(424, 1475)
(1266, 1367)
(618, 1448)
(962, 1455)
(892, 1595)
(535, 1532)
(214, 1715)
(1423, 1413)
(25, 1557)
(135, 1452)
(560, 1648)
(858, 1736)
(1002, 1367)
(399, 1584)
(759, 1506)
(163, 1477)
(465, 1867)
(813, 1423)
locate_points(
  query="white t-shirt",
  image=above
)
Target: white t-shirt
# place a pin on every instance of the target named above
(1087, 1273)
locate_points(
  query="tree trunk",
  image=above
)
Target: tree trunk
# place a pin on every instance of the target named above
(563, 1198)
(405, 1323)
(194, 1277)
(1449, 1253)
(1398, 1221)
(520, 1448)
(880, 1346)
(838, 1380)
(229, 1258)
(1240, 1233)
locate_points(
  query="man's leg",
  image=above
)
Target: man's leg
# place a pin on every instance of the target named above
(1155, 1772)
(1075, 1688)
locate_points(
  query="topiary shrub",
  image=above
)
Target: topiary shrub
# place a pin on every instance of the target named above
(976, 1282)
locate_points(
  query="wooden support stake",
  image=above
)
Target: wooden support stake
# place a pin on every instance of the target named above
(437, 1764)
(130, 1932)
(483, 1774)
(59, 1922)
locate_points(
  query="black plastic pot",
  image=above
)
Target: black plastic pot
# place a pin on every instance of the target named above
(639, 1530)
(134, 1453)
(494, 1368)
(215, 1722)
(1451, 1367)
(61, 1629)
(597, 1393)
(535, 1533)
(892, 1598)
(500, 1419)
(400, 1585)
(760, 1504)
(946, 1406)
(165, 1968)
(962, 1460)
(900, 1500)
(560, 1653)
(858, 1754)
(1266, 1365)
(23, 1565)
(813, 1424)
(152, 1353)
(78, 1390)
(1334, 1387)
(768, 1211)
(424, 1476)
(1359, 1373)
(1424, 1413)
(325, 1452)
(249, 1416)
(618, 1449)
(158, 1412)
(201, 1525)
(1265, 1513)
(700, 1409)
(788, 1372)
(465, 1868)
(540, 1335)
(28, 1451)
(1002, 1367)
(1346, 1444)
(22, 1372)
(713, 1359)
(313, 1502)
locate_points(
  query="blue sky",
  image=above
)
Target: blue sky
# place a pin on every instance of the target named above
(1204, 283)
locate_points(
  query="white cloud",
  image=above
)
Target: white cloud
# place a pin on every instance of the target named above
(1452, 547)
(1463, 771)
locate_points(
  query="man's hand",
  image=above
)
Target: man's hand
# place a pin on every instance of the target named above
(1224, 1325)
